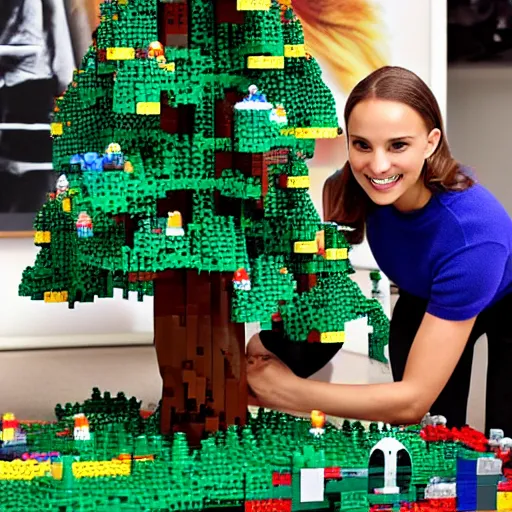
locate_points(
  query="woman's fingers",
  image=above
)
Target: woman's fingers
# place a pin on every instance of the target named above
(255, 348)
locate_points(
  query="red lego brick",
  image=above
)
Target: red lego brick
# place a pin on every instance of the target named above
(277, 156)
(281, 478)
(314, 336)
(332, 473)
(225, 113)
(175, 26)
(305, 282)
(268, 505)
(226, 12)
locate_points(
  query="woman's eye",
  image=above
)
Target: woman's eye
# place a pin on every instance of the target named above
(399, 146)
(359, 144)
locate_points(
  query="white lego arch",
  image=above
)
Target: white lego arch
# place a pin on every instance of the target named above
(390, 447)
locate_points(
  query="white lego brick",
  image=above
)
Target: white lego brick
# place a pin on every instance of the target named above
(312, 485)
(488, 466)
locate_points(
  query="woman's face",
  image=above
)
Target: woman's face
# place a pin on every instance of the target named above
(388, 143)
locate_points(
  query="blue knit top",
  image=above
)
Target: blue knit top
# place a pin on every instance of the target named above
(456, 252)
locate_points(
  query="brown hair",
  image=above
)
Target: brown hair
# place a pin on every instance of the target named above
(345, 202)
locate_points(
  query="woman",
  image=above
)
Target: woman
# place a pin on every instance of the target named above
(441, 237)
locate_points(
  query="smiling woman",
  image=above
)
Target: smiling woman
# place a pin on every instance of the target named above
(388, 160)
(442, 238)
(399, 115)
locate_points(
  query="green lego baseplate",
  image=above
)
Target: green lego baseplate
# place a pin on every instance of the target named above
(166, 162)
(257, 467)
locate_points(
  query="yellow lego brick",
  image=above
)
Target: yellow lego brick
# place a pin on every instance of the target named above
(148, 108)
(56, 470)
(332, 337)
(336, 254)
(253, 5)
(42, 237)
(66, 204)
(94, 469)
(23, 470)
(120, 53)
(310, 247)
(504, 501)
(316, 133)
(56, 129)
(56, 296)
(122, 2)
(294, 50)
(287, 131)
(265, 62)
(297, 182)
(169, 66)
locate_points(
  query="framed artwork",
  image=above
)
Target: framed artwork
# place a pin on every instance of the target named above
(41, 43)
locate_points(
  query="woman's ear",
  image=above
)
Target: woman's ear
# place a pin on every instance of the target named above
(434, 137)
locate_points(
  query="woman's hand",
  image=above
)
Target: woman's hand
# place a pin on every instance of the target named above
(269, 379)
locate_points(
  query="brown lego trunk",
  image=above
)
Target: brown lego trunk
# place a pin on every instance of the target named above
(201, 354)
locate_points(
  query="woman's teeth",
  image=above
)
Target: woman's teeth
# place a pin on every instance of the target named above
(385, 181)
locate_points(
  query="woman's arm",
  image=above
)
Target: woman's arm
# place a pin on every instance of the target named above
(434, 354)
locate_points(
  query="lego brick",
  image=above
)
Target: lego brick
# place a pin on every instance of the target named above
(226, 11)
(201, 390)
(311, 485)
(253, 5)
(176, 24)
(487, 497)
(489, 466)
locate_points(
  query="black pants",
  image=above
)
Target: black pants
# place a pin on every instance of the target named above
(453, 400)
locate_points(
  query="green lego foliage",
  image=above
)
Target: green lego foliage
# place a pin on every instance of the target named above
(146, 130)
(229, 467)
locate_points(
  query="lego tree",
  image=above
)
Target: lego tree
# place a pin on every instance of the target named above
(181, 147)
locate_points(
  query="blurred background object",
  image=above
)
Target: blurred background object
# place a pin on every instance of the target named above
(41, 43)
(479, 30)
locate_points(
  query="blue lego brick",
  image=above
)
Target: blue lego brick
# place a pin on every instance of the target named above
(466, 469)
(467, 484)
(466, 497)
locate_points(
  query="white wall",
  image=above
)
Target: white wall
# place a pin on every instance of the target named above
(33, 324)
(479, 107)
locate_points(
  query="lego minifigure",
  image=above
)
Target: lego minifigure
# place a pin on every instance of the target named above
(317, 423)
(255, 95)
(156, 49)
(241, 280)
(81, 428)
(278, 115)
(113, 157)
(174, 224)
(62, 185)
(84, 225)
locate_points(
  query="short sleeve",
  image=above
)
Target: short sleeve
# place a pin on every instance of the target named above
(466, 281)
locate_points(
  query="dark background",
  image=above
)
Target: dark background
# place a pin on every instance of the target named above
(480, 31)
